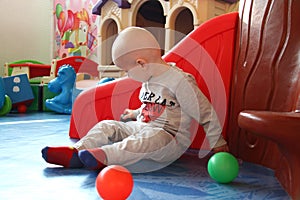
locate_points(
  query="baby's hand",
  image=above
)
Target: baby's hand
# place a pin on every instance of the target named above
(128, 115)
(223, 148)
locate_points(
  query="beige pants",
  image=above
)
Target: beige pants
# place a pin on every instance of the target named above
(131, 142)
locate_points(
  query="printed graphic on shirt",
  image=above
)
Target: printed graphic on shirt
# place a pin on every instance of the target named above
(154, 105)
(152, 111)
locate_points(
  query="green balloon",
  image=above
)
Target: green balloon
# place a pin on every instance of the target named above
(223, 167)
(59, 9)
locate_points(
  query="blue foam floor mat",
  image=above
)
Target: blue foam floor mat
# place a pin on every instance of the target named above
(25, 175)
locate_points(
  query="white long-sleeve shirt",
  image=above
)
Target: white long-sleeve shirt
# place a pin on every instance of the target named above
(172, 100)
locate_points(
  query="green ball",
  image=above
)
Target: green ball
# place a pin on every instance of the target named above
(223, 167)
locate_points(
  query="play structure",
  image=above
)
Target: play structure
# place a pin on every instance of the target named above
(256, 52)
(176, 18)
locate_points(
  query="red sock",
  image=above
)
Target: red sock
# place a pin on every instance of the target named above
(64, 156)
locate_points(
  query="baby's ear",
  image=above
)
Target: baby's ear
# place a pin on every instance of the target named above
(141, 62)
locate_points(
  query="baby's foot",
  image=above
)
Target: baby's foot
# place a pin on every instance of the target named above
(64, 156)
(93, 158)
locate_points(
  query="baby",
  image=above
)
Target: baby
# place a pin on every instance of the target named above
(159, 129)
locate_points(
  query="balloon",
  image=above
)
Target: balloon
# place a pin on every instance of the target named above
(61, 22)
(223, 167)
(70, 21)
(59, 9)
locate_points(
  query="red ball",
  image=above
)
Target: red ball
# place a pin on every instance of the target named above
(22, 108)
(114, 183)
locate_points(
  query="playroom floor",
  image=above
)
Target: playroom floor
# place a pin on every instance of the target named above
(25, 175)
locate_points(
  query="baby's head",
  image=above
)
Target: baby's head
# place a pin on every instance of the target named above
(133, 50)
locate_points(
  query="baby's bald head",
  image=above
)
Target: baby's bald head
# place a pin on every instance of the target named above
(135, 41)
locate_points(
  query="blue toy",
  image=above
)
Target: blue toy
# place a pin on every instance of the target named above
(5, 102)
(62, 84)
(2, 93)
(19, 91)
